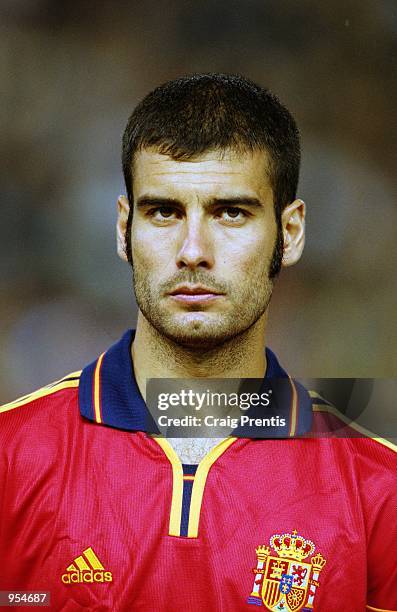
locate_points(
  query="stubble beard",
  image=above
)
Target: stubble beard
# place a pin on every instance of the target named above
(194, 329)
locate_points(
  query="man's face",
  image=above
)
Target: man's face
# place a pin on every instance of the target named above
(202, 237)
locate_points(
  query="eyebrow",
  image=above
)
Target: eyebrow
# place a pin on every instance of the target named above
(147, 200)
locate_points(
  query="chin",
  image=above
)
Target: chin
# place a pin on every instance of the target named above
(198, 331)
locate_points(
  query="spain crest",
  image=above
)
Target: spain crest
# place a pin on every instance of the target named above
(288, 580)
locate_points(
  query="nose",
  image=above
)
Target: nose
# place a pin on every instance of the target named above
(196, 248)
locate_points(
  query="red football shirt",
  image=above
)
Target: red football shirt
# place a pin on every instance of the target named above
(104, 516)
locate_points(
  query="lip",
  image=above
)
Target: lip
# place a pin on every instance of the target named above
(194, 294)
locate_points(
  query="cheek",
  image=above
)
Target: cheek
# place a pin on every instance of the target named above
(151, 254)
(248, 257)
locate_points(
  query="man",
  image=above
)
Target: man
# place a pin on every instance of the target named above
(105, 514)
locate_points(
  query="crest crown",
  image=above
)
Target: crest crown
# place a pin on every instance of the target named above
(318, 562)
(292, 546)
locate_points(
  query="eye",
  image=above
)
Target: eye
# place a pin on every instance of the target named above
(232, 214)
(163, 213)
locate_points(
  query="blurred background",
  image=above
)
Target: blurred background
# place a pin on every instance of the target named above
(71, 73)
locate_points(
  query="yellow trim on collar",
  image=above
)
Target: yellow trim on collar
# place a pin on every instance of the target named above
(97, 389)
(294, 408)
(177, 486)
(378, 609)
(199, 484)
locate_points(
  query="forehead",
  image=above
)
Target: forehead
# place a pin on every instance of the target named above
(224, 171)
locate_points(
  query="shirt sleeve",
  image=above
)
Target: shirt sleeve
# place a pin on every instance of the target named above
(379, 496)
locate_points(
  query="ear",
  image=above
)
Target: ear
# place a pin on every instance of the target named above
(293, 224)
(122, 217)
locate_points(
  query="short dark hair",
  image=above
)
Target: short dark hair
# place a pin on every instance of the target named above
(193, 114)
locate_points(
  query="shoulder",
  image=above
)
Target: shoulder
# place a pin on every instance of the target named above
(328, 420)
(36, 429)
(58, 393)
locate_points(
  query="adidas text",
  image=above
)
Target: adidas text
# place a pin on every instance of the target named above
(87, 576)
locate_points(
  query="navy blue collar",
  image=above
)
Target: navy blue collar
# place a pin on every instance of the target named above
(109, 395)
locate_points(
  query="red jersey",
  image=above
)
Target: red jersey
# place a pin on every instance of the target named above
(102, 513)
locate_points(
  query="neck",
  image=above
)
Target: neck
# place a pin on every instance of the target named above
(155, 356)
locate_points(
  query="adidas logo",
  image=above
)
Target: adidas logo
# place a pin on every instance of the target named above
(86, 568)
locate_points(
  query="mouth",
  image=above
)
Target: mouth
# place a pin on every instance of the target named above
(194, 294)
